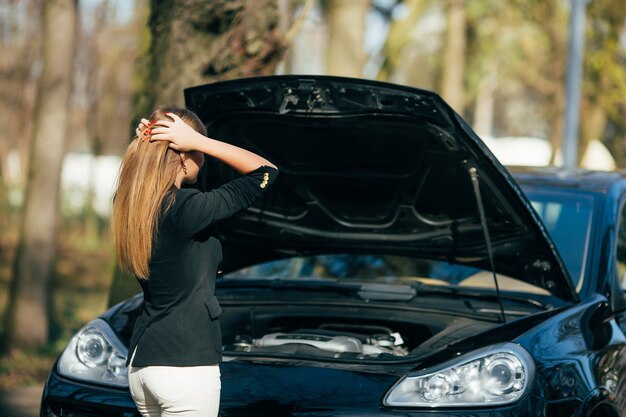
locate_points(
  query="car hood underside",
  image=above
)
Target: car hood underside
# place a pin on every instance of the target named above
(370, 166)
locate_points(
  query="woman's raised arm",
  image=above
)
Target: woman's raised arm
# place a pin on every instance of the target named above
(184, 138)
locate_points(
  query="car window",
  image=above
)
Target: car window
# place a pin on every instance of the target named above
(567, 216)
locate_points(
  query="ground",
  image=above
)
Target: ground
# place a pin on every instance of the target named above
(21, 402)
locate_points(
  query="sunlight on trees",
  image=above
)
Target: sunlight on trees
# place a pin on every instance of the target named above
(500, 64)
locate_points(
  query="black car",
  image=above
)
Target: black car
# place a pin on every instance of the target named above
(394, 269)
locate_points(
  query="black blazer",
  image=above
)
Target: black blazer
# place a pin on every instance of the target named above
(178, 325)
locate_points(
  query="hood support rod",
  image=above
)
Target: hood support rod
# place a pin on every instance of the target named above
(483, 221)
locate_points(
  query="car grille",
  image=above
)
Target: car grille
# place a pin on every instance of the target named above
(55, 409)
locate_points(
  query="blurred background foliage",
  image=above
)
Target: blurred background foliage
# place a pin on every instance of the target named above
(500, 64)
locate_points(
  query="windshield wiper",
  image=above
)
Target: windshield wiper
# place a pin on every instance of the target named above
(451, 291)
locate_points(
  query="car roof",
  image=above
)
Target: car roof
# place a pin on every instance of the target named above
(585, 180)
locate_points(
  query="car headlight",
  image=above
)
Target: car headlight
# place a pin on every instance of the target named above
(95, 354)
(496, 375)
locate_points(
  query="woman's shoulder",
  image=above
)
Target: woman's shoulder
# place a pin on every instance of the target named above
(186, 192)
(174, 207)
(181, 196)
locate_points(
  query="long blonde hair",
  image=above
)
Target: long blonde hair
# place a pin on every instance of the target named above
(146, 177)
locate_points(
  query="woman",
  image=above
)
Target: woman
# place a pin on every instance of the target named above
(163, 236)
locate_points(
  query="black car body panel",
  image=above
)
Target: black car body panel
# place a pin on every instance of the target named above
(577, 347)
(570, 378)
(608, 189)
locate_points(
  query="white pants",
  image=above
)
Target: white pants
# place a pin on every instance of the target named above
(182, 391)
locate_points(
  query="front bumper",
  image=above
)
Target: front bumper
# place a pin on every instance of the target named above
(63, 397)
(261, 390)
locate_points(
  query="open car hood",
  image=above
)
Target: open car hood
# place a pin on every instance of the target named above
(367, 166)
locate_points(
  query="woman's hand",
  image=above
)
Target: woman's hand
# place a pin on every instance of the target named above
(144, 124)
(181, 136)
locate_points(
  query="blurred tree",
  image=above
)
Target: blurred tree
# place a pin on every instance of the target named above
(215, 40)
(453, 65)
(484, 104)
(19, 68)
(399, 40)
(91, 59)
(457, 48)
(490, 47)
(346, 21)
(27, 313)
(604, 74)
(292, 19)
(441, 65)
(542, 59)
(515, 62)
(525, 42)
(196, 42)
(102, 105)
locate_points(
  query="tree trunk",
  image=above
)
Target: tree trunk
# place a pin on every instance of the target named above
(592, 124)
(453, 66)
(593, 116)
(286, 9)
(399, 39)
(27, 316)
(196, 42)
(485, 99)
(556, 73)
(346, 22)
(555, 105)
(20, 49)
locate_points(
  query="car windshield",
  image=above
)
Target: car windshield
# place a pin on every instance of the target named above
(566, 217)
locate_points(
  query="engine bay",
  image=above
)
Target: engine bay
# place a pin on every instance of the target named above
(322, 342)
(327, 332)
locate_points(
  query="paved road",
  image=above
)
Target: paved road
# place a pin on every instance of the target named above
(20, 402)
